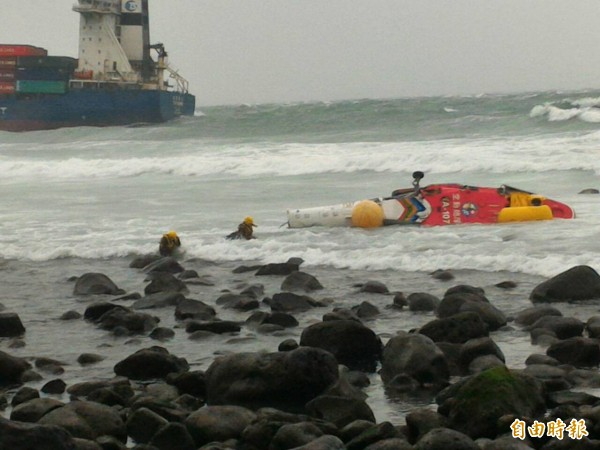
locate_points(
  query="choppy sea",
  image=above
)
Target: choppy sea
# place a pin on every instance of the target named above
(90, 199)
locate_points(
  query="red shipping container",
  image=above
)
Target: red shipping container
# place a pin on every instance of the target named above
(7, 87)
(7, 74)
(22, 50)
(8, 61)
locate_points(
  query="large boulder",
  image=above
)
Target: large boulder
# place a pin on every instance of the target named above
(218, 423)
(194, 309)
(150, 363)
(577, 283)
(289, 302)
(576, 351)
(26, 436)
(124, 318)
(11, 325)
(562, 327)
(87, 420)
(352, 343)
(285, 380)
(456, 329)
(301, 281)
(96, 284)
(480, 401)
(418, 357)
(11, 369)
(472, 299)
(530, 315)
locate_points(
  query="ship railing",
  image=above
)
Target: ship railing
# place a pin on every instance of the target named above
(182, 85)
(97, 6)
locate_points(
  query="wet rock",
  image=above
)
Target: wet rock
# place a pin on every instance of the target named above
(592, 327)
(418, 357)
(577, 283)
(422, 301)
(399, 301)
(567, 397)
(352, 343)
(390, 444)
(194, 309)
(150, 363)
(255, 291)
(96, 284)
(238, 302)
(458, 328)
(11, 325)
(159, 300)
(218, 423)
(506, 285)
(339, 410)
(25, 436)
(288, 345)
(144, 260)
(366, 310)
(70, 315)
(34, 409)
(300, 281)
(421, 421)
(374, 287)
(96, 310)
(87, 420)
(143, 423)
(470, 299)
(166, 265)
(562, 327)
(165, 282)
(479, 347)
(327, 442)
(130, 321)
(442, 275)
(536, 358)
(173, 436)
(23, 395)
(162, 334)
(288, 302)
(285, 380)
(379, 432)
(214, 326)
(244, 269)
(445, 439)
(277, 269)
(85, 388)
(192, 383)
(483, 363)
(577, 351)
(294, 435)
(341, 314)
(282, 319)
(589, 191)
(530, 315)
(490, 395)
(89, 358)
(553, 378)
(11, 369)
(57, 386)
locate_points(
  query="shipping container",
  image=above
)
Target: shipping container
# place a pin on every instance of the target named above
(55, 62)
(22, 50)
(42, 73)
(41, 87)
(7, 74)
(8, 61)
(7, 87)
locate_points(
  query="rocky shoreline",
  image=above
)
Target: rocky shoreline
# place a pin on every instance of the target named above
(310, 394)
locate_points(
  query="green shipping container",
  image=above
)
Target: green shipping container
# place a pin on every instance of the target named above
(41, 87)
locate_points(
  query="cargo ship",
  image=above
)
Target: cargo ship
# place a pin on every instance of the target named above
(119, 78)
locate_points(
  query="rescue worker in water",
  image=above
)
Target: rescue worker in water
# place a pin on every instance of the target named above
(245, 230)
(169, 243)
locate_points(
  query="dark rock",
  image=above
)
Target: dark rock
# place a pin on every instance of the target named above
(465, 289)
(244, 269)
(374, 287)
(23, 395)
(11, 325)
(562, 327)
(490, 395)
(70, 315)
(352, 343)
(11, 369)
(379, 432)
(399, 301)
(277, 269)
(530, 315)
(282, 319)
(188, 274)
(159, 300)
(422, 301)
(421, 421)
(143, 423)
(577, 283)
(173, 436)
(150, 363)
(483, 363)
(97, 310)
(218, 423)
(162, 334)
(239, 302)
(327, 442)
(194, 309)
(288, 345)
(294, 435)
(341, 314)
(442, 275)
(445, 439)
(479, 347)
(366, 310)
(57, 386)
(418, 357)
(576, 351)
(536, 358)
(467, 298)
(129, 321)
(216, 326)
(165, 282)
(96, 284)
(132, 296)
(390, 444)
(339, 410)
(300, 281)
(589, 191)
(506, 285)
(286, 380)
(166, 265)
(192, 383)
(24, 436)
(109, 397)
(85, 444)
(458, 328)
(89, 358)
(567, 397)
(289, 302)
(87, 420)
(593, 327)
(33, 410)
(144, 260)
(353, 429)
(86, 388)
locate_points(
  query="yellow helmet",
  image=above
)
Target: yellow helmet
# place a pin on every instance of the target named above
(171, 234)
(249, 221)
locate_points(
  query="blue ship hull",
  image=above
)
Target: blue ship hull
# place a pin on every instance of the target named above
(83, 107)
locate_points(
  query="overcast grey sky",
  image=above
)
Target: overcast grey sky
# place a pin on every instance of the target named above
(256, 51)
